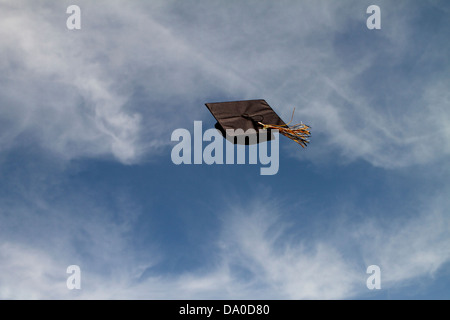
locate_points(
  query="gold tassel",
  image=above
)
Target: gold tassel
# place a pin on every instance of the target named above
(300, 132)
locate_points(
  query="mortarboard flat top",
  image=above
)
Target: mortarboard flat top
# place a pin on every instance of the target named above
(243, 115)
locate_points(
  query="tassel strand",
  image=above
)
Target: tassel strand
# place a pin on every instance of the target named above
(300, 132)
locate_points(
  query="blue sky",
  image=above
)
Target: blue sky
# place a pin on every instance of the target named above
(86, 118)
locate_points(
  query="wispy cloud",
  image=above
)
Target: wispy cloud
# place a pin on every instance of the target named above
(407, 249)
(256, 256)
(56, 93)
(135, 70)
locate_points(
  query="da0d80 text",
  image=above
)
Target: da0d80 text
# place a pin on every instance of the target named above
(245, 309)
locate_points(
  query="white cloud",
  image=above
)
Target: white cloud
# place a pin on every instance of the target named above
(56, 93)
(284, 269)
(28, 273)
(134, 71)
(77, 94)
(408, 249)
(257, 256)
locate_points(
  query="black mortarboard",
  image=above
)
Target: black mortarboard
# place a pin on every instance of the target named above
(243, 115)
(256, 115)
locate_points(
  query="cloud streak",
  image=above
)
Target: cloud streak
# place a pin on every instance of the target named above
(113, 89)
(116, 88)
(255, 256)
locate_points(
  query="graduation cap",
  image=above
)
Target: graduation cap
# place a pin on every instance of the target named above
(255, 115)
